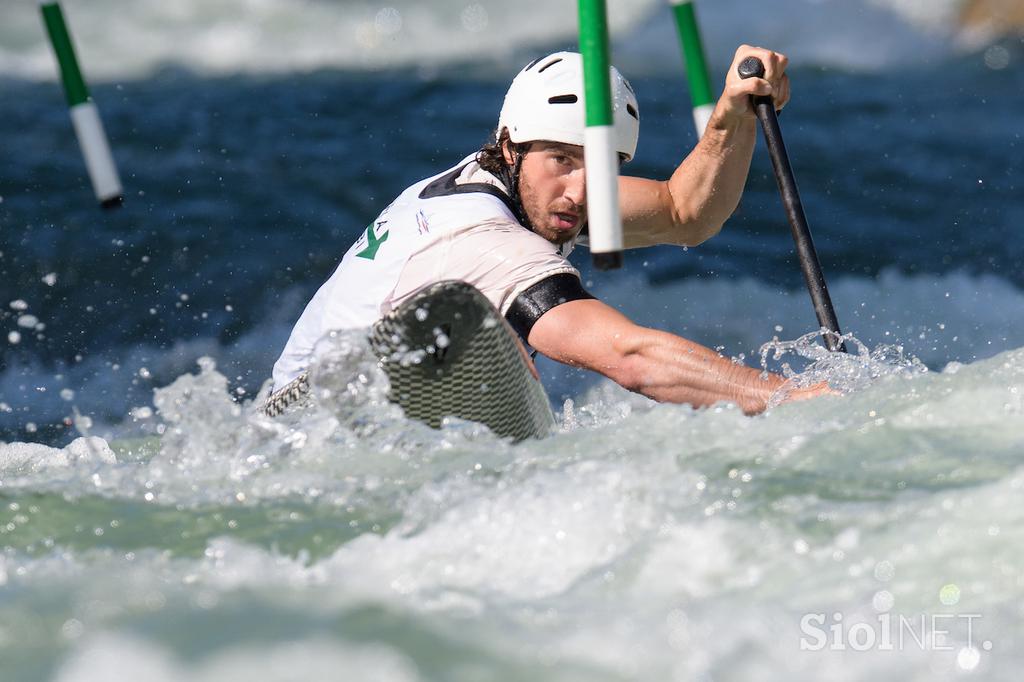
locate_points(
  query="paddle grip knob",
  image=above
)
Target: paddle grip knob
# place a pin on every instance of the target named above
(751, 67)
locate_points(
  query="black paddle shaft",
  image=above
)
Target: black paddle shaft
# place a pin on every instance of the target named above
(764, 106)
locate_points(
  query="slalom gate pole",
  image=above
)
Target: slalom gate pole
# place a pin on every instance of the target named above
(84, 115)
(752, 67)
(696, 65)
(600, 156)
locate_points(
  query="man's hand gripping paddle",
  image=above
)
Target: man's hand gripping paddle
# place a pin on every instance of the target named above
(765, 108)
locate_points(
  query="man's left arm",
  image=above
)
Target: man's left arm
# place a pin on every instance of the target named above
(693, 204)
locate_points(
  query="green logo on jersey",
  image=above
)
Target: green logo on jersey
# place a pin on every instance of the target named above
(373, 241)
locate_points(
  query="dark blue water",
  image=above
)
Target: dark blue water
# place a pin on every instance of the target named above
(243, 192)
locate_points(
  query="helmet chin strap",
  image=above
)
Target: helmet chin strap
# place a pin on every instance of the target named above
(510, 178)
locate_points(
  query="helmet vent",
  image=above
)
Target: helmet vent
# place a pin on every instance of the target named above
(549, 65)
(631, 110)
(563, 99)
(532, 64)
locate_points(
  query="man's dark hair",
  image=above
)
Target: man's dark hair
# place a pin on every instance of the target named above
(491, 158)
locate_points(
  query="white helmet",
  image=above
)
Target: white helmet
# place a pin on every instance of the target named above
(545, 102)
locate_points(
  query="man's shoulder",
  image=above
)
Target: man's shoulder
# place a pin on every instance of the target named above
(463, 193)
(466, 177)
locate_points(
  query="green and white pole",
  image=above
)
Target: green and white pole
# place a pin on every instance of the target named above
(84, 116)
(696, 64)
(599, 153)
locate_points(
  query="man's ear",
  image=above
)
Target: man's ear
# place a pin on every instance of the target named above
(506, 152)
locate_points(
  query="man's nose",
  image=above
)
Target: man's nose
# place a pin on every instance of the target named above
(576, 187)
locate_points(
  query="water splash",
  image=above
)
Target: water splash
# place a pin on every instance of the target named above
(849, 372)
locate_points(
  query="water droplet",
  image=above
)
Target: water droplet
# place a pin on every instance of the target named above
(949, 595)
(141, 412)
(997, 57)
(884, 571)
(474, 18)
(968, 658)
(72, 629)
(883, 601)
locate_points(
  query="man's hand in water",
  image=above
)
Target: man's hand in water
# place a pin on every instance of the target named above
(789, 392)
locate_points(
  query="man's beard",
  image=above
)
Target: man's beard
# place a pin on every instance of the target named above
(538, 217)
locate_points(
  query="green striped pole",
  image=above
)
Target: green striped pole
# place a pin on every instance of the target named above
(599, 153)
(696, 64)
(84, 116)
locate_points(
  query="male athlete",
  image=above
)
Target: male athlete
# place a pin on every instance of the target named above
(506, 217)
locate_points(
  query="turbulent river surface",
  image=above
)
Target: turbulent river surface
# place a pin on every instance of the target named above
(153, 526)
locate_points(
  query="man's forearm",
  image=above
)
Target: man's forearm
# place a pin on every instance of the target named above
(660, 365)
(669, 368)
(707, 186)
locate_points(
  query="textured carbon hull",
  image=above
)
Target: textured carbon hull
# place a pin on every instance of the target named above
(448, 353)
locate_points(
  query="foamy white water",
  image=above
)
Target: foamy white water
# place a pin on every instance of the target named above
(938, 319)
(117, 40)
(643, 542)
(275, 36)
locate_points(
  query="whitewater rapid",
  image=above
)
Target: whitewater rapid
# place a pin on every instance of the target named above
(641, 542)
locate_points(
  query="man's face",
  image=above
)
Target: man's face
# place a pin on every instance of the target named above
(553, 189)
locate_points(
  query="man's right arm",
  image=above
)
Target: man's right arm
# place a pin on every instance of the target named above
(705, 188)
(660, 365)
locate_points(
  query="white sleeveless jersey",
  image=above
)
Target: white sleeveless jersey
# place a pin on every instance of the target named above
(455, 225)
